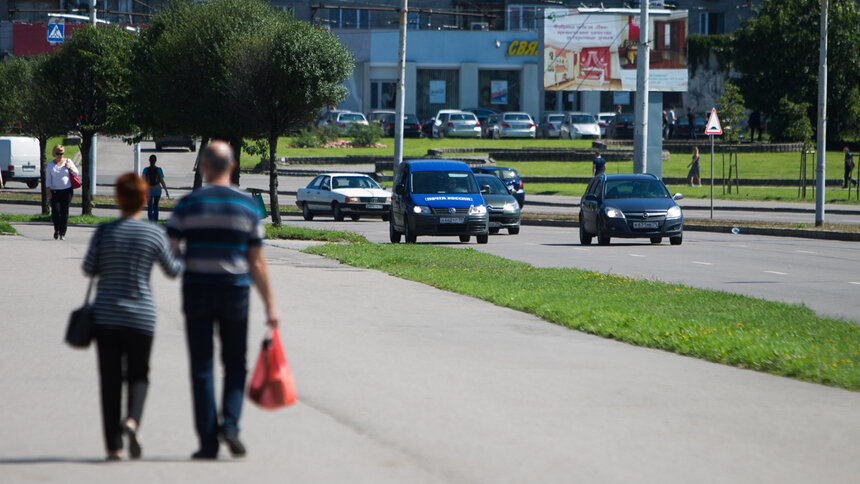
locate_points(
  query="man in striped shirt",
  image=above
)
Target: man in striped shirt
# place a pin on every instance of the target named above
(223, 255)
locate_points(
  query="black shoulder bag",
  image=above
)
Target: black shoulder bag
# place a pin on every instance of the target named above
(79, 333)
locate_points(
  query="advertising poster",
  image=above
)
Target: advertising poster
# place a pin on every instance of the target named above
(598, 51)
(437, 92)
(498, 92)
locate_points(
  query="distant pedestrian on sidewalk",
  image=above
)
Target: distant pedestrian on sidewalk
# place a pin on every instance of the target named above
(155, 178)
(694, 168)
(224, 255)
(691, 122)
(121, 255)
(849, 167)
(598, 166)
(671, 121)
(59, 189)
(755, 125)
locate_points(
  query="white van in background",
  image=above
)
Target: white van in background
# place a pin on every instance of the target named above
(19, 160)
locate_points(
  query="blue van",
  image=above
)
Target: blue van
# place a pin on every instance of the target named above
(437, 197)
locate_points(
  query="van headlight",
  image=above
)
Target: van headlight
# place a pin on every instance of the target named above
(674, 212)
(477, 210)
(613, 212)
(420, 209)
(511, 206)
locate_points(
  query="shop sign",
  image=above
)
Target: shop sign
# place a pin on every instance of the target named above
(523, 47)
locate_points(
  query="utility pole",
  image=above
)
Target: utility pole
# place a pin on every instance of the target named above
(93, 12)
(822, 120)
(401, 90)
(640, 144)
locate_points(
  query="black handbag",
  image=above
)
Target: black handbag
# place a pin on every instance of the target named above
(79, 333)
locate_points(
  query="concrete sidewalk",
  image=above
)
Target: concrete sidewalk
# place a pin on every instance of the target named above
(400, 382)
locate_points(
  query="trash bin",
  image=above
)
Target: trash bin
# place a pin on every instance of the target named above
(261, 205)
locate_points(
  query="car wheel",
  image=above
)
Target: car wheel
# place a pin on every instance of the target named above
(494, 231)
(393, 234)
(656, 240)
(513, 230)
(336, 212)
(32, 183)
(676, 240)
(410, 236)
(306, 212)
(355, 218)
(482, 238)
(464, 238)
(584, 237)
(602, 239)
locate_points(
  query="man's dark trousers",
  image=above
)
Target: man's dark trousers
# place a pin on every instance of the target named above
(204, 306)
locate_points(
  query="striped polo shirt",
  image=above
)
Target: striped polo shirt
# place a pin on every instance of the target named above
(218, 225)
(121, 254)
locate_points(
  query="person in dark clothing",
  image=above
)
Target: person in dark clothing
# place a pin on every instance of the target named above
(671, 121)
(691, 121)
(155, 178)
(849, 167)
(693, 174)
(598, 166)
(224, 256)
(755, 125)
(121, 254)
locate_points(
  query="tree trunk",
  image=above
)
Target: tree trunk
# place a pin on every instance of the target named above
(86, 195)
(236, 144)
(198, 178)
(275, 209)
(43, 163)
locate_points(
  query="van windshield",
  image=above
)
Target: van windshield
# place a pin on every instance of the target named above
(432, 182)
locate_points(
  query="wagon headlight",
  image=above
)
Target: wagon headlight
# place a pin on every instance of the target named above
(674, 212)
(477, 210)
(613, 212)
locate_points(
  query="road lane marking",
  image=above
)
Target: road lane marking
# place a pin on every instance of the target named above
(703, 263)
(636, 255)
(777, 273)
(580, 248)
(853, 282)
(806, 252)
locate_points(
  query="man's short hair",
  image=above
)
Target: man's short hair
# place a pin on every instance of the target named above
(217, 160)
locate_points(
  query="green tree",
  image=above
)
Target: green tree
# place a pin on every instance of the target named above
(282, 75)
(730, 106)
(791, 123)
(88, 81)
(777, 53)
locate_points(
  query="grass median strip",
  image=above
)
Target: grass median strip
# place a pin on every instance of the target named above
(783, 339)
(6, 229)
(301, 233)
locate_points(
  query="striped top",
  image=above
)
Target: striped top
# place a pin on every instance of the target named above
(121, 254)
(218, 225)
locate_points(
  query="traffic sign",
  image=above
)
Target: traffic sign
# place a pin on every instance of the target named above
(714, 124)
(56, 29)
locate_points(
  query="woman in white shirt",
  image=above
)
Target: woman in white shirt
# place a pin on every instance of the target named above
(59, 186)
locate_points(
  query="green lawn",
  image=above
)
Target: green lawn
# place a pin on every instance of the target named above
(6, 229)
(778, 338)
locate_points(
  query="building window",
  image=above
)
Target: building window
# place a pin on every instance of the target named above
(499, 90)
(437, 89)
(383, 94)
(711, 23)
(348, 18)
(523, 17)
(418, 21)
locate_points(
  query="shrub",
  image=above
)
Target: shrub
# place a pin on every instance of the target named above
(327, 134)
(305, 138)
(791, 122)
(365, 135)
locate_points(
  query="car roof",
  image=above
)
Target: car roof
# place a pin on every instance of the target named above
(382, 111)
(516, 112)
(347, 174)
(607, 114)
(493, 168)
(437, 165)
(631, 176)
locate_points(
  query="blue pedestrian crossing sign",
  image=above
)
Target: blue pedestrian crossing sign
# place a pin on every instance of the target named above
(56, 28)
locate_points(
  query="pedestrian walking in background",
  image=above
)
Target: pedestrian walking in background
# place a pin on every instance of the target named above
(155, 179)
(665, 124)
(671, 120)
(754, 122)
(121, 254)
(694, 168)
(58, 185)
(691, 121)
(598, 166)
(223, 254)
(849, 167)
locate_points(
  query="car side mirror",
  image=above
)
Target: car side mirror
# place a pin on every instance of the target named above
(485, 189)
(400, 189)
(677, 196)
(591, 198)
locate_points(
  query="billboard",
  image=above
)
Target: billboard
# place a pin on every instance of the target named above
(591, 51)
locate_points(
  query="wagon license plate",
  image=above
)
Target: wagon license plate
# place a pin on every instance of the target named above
(495, 225)
(451, 220)
(645, 225)
(374, 206)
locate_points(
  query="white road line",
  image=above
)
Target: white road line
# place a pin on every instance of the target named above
(777, 273)
(703, 263)
(580, 248)
(806, 252)
(636, 255)
(853, 282)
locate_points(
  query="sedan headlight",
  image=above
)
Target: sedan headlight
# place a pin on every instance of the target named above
(477, 210)
(420, 209)
(674, 212)
(351, 200)
(511, 206)
(388, 200)
(613, 212)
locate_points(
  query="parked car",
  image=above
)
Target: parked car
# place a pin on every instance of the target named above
(482, 113)
(385, 120)
(503, 207)
(344, 194)
(579, 125)
(550, 127)
(603, 120)
(621, 127)
(462, 124)
(629, 206)
(176, 141)
(437, 197)
(682, 128)
(514, 125)
(441, 117)
(345, 120)
(411, 127)
(491, 125)
(329, 117)
(427, 127)
(508, 176)
(19, 160)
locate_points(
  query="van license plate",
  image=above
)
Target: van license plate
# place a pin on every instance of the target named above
(372, 206)
(451, 220)
(644, 225)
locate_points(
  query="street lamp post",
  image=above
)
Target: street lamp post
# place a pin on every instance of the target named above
(640, 145)
(822, 120)
(401, 90)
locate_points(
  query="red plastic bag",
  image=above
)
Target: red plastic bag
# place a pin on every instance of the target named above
(272, 385)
